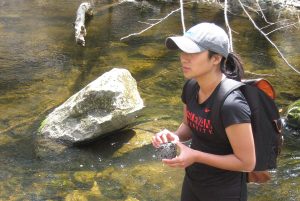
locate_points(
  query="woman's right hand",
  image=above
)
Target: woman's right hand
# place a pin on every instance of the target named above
(164, 136)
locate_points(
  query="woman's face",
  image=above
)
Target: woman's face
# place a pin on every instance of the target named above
(195, 65)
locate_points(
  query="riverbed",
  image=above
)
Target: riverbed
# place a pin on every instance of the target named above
(41, 67)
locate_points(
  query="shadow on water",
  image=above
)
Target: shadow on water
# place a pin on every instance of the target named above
(107, 143)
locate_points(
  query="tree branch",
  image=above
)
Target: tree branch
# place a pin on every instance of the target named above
(265, 35)
(281, 28)
(262, 13)
(252, 9)
(182, 16)
(259, 74)
(151, 25)
(228, 26)
(80, 30)
(274, 23)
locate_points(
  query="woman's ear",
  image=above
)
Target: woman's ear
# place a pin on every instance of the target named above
(217, 59)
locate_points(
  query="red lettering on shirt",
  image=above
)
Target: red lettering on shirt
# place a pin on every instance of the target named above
(198, 123)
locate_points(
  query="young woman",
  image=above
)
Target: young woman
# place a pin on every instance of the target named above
(215, 166)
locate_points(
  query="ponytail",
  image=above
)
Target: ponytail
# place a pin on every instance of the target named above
(232, 67)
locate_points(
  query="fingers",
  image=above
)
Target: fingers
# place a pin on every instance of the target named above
(172, 137)
(163, 136)
(156, 141)
(175, 162)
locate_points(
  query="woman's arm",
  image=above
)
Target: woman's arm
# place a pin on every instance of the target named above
(243, 157)
(184, 132)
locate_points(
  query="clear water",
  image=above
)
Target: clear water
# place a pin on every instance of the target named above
(41, 66)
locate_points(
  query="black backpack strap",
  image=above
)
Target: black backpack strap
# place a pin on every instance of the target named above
(226, 87)
(191, 87)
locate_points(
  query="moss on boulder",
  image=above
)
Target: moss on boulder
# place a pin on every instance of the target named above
(293, 115)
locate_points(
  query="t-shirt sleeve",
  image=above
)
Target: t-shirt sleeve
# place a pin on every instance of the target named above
(235, 109)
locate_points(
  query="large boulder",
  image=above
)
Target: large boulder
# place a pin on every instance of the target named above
(293, 115)
(107, 104)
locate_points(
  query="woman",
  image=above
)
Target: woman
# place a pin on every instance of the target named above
(215, 166)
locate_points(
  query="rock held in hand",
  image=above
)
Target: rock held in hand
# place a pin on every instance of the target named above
(166, 151)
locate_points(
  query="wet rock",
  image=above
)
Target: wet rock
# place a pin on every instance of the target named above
(293, 115)
(152, 50)
(5, 139)
(95, 190)
(131, 199)
(48, 148)
(84, 176)
(166, 151)
(76, 195)
(107, 104)
(93, 194)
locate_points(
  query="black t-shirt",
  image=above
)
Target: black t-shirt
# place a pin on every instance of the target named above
(234, 111)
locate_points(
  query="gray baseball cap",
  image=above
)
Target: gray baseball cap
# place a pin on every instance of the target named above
(201, 37)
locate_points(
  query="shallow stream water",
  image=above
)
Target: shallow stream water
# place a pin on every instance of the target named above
(41, 66)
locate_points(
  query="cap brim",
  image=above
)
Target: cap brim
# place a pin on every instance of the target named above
(183, 43)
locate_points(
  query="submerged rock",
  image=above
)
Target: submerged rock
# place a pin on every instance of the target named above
(84, 176)
(109, 103)
(293, 115)
(141, 182)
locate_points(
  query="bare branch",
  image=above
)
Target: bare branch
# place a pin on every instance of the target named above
(262, 13)
(152, 25)
(274, 23)
(144, 23)
(154, 19)
(259, 74)
(281, 28)
(227, 25)
(182, 16)
(252, 9)
(272, 43)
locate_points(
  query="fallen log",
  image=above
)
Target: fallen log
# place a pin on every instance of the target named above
(80, 31)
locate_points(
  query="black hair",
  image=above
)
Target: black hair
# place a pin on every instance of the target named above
(232, 67)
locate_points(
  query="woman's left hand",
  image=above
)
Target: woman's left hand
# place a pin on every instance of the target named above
(185, 158)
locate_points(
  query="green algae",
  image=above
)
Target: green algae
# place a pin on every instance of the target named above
(293, 115)
(5, 139)
(84, 176)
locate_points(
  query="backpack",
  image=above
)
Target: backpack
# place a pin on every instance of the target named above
(265, 121)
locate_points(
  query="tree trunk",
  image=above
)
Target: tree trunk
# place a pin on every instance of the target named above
(80, 31)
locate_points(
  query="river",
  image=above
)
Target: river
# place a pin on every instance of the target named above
(41, 67)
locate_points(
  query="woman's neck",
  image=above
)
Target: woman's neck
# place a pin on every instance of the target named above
(207, 85)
